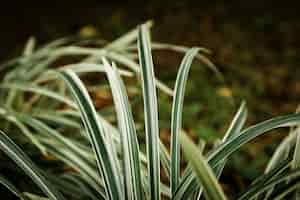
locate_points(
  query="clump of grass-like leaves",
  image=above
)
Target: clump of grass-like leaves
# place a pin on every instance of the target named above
(107, 162)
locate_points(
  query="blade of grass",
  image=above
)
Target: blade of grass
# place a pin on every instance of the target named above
(130, 146)
(176, 117)
(96, 132)
(150, 112)
(212, 189)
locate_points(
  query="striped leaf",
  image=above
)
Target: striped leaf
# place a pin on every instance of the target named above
(176, 118)
(150, 112)
(96, 132)
(130, 146)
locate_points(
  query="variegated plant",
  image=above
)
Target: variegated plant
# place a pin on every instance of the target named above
(107, 162)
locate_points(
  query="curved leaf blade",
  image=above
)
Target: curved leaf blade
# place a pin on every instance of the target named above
(212, 189)
(176, 117)
(96, 133)
(150, 111)
(130, 146)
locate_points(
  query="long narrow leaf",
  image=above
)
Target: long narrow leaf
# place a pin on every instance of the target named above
(150, 111)
(176, 121)
(212, 189)
(129, 141)
(96, 132)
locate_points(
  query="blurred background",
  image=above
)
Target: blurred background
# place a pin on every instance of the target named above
(255, 44)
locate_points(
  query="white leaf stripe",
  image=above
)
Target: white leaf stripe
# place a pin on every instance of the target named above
(150, 112)
(176, 121)
(24, 162)
(96, 134)
(133, 185)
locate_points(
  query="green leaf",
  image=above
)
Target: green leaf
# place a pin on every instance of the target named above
(176, 121)
(97, 134)
(205, 175)
(130, 146)
(150, 112)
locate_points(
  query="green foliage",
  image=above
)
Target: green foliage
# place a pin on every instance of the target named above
(100, 161)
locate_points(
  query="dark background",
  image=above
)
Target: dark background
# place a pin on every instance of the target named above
(50, 19)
